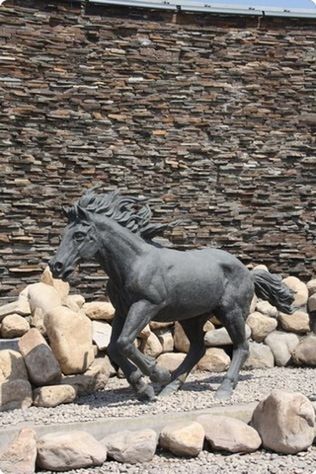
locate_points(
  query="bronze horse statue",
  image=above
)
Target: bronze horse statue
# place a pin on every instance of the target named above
(149, 282)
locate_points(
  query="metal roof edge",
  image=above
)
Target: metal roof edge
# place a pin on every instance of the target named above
(200, 7)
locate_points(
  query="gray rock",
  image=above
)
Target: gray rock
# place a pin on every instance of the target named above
(220, 337)
(15, 394)
(260, 357)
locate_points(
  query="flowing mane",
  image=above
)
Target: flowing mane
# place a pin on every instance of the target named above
(129, 212)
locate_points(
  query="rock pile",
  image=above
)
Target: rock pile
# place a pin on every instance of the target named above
(54, 344)
(284, 423)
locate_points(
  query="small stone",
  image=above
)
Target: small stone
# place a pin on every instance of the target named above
(298, 322)
(103, 310)
(12, 366)
(63, 451)
(170, 360)
(15, 394)
(101, 334)
(229, 434)
(285, 422)
(131, 446)
(214, 360)
(260, 357)
(54, 395)
(300, 290)
(20, 455)
(282, 346)
(305, 351)
(260, 325)
(41, 364)
(14, 325)
(183, 438)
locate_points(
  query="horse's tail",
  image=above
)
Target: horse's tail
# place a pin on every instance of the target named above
(269, 286)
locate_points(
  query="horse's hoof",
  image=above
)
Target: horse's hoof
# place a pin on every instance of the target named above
(161, 376)
(147, 394)
(223, 394)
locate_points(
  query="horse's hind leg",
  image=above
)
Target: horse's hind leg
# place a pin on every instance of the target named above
(234, 321)
(193, 329)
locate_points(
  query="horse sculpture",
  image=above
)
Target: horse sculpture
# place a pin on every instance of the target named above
(148, 282)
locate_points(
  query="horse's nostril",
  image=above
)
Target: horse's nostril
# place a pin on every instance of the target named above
(58, 266)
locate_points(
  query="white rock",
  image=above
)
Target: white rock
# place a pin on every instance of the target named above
(101, 334)
(62, 287)
(229, 434)
(94, 379)
(312, 303)
(282, 346)
(131, 446)
(63, 451)
(166, 340)
(20, 455)
(285, 422)
(42, 296)
(151, 346)
(183, 438)
(311, 286)
(264, 307)
(14, 325)
(300, 290)
(20, 306)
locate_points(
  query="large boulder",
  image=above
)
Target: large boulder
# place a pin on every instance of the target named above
(54, 395)
(214, 360)
(62, 287)
(300, 291)
(285, 422)
(131, 446)
(43, 296)
(305, 352)
(170, 360)
(12, 366)
(260, 325)
(264, 307)
(94, 379)
(229, 434)
(282, 345)
(41, 364)
(183, 438)
(260, 357)
(70, 337)
(63, 451)
(14, 325)
(220, 337)
(15, 394)
(103, 310)
(298, 322)
(20, 455)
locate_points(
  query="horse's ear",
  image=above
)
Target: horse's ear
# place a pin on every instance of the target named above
(83, 215)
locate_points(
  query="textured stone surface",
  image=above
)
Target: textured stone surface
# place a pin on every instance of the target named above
(40, 361)
(229, 434)
(99, 310)
(285, 422)
(282, 346)
(214, 128)
(131, 446)
(214, 360)
(299, 288)
(260, 356)
(170, 360)
(181, 342)
(183, 439)
(297, 322)
(14, 325)
(42, 296)
(54, 395)
(101, 334)
(70, 337)
(12, 366)
(260, 325)
(20, 455)
(94, 379)
(63, 451)
(305, 351)
(15, 394)
(220, 337)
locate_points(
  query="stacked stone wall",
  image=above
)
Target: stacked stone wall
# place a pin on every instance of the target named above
(210, 118)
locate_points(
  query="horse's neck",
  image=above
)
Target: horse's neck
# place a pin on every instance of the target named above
(119, 250)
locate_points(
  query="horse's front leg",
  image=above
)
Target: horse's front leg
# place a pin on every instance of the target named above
(133, 375)
(140, 314)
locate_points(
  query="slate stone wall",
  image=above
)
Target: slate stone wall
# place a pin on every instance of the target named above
(209, 117)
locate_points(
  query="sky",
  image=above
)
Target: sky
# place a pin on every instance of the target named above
(268, 3)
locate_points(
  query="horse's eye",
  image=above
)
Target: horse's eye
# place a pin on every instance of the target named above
(79, 236)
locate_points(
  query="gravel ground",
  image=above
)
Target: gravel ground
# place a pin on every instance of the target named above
(117, 400)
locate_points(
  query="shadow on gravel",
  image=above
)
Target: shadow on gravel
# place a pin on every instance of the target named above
(210, 383)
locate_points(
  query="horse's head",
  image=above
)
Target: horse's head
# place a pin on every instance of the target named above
(79, 242)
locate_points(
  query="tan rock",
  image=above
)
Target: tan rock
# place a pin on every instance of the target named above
(214, 360)
(15, 394)
(298, 322)
(63, 451)
(312, 303)
(282, 346)
(99, 310)
(260, 357)
(20, 306)
(264, 307)
(62, 287)
(311, 286)
(300, 290)
(12, 366)
(20, 455)
(41, 363)
(170, 360)
(229, 434)
(54, 395)
(14, 325)
(166, 340)
(285, 422)
(70, 337)
(183, 438)
(145, 332)
(38, 321)
(131, 446)
(208, 326)
(94, 379)
(305, 351)
(260, 325)
(156, 325)
(181, 342)
(43, 296)
(77, 300)
(261, 267)
(151, 346)
(101, 334)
